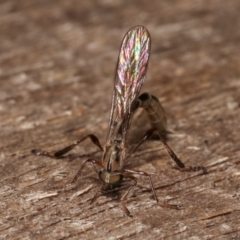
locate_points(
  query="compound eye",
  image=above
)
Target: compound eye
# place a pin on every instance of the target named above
(116, 179)
(110, 177)
(103, 176)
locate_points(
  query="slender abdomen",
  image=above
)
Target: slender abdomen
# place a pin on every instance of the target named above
(155, 112)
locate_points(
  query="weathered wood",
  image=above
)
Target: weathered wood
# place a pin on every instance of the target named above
(57, 61)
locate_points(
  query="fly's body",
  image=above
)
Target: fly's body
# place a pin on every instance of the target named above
(130, 74)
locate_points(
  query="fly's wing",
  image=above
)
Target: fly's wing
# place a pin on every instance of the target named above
(130, 74)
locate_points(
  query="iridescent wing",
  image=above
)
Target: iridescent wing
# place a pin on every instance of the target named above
(130, 74)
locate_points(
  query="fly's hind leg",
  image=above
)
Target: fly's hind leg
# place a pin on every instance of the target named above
(179, 163)
(65, 150)
(157, 117)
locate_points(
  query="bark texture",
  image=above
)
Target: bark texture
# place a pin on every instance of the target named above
(57, 62)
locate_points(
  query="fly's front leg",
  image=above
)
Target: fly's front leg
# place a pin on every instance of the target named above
(157, 117)
(127, 173)
(65, 150)
(145, 175)
(124, 197)
(92, 161)
(97, 194)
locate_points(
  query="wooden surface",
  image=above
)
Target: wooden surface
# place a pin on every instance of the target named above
(57, 62)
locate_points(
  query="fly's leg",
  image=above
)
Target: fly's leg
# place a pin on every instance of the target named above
(129, 174)
(147, 135)
(141, 173)
(93, 163)
(97, 194)
(65, 150)
(179, 163)
(124, 197)
(156, 115)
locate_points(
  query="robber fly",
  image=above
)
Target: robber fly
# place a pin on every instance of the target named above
(130, 73)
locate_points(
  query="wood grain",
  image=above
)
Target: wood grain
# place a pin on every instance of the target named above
(57, 62)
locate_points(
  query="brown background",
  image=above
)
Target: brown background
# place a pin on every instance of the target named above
(57, 61)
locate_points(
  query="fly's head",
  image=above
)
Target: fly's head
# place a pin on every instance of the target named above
(110, 178)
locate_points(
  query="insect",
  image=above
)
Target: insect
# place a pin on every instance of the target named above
(130, 73)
